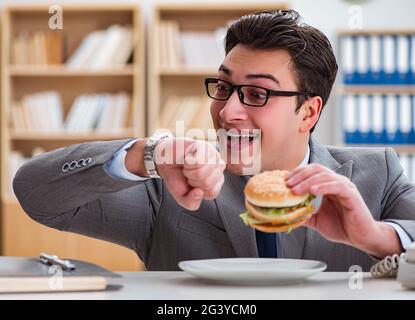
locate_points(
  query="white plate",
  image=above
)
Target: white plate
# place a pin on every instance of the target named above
(253, 270)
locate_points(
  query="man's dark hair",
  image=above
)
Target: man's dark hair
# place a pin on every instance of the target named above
(314, 63)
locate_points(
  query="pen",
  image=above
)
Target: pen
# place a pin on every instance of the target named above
(55, 260)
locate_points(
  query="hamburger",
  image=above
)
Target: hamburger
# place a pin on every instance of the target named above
(272, 206)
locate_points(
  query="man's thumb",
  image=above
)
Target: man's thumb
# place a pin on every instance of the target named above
(192, 199)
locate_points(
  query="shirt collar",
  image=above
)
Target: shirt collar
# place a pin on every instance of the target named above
(306, 159)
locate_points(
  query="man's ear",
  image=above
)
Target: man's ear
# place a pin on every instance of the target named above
(309, 113)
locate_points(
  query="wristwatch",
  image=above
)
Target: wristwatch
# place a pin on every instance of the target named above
(149, 148)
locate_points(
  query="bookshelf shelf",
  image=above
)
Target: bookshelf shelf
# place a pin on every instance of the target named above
(53, 71)
(70, 137)
(176, 73)
(377, 89)
(121, 79)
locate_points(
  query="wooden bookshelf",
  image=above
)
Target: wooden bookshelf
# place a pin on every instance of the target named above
(19, 234)
(183, 80)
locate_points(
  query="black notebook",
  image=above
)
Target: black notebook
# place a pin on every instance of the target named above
(19, 274)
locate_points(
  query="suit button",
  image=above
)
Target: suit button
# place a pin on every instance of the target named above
(87, 161)
(65, 167)
(72, 165)
(80, 163)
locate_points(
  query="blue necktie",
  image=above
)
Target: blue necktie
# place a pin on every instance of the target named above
(268, 244)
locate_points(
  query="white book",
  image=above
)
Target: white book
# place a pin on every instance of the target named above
(364, 113)
(405, 113)
(36, 120)
(375, 54)
(349, 113)
(403, 54)
(194, 48)
(186, 47)
(173, 45)
(389, 54)
(17, 117)
(125, 48)
(96, 111)
(413, 54)
(120, 112)
(89, 114)
(412, 164)
(362, 54)
(56, 111)
(378, 119)
(107, 47)
(86, 51)
(347, 54)
(391, 114)
(29, 125)
(70, 122)
(106, 113)
(41, 106)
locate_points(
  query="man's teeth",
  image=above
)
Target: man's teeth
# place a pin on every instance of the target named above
(235, 135)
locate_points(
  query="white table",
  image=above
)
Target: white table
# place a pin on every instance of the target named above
(179, 285)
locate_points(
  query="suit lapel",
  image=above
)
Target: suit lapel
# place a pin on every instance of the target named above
(230, 203)
(320, 154)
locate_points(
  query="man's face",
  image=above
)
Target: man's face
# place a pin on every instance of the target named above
(277, 120)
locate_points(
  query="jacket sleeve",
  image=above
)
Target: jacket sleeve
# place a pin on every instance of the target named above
(398, 202)
(85, 199)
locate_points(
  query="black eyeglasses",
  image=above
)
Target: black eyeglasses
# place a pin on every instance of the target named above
(253, 96)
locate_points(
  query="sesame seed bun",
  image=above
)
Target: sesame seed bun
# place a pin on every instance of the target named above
(283, 218)
(271, 228)
(268, 189)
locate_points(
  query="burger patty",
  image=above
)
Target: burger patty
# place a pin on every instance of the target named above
(274, 211)
(248, 219)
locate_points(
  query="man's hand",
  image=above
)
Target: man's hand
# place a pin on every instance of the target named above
(191, 169)
(343, 216)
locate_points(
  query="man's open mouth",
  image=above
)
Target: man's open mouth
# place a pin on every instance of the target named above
(240, 140)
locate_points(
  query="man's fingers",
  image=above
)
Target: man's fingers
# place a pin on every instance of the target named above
(207, 182)
(214, 192)
(305, 185)
(300, 174)
(192, 200)
(337, 188)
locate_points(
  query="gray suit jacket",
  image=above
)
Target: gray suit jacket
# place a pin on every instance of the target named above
(144, 217)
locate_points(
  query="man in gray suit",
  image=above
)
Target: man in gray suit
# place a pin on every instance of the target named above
(277, 76)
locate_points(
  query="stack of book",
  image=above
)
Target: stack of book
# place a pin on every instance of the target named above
(100, 113)
(193, 111)
(189, 48)
(379, 119)
(39, 112)
(378, 59)
(37, 48)
(43, 113)
(108, 48)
